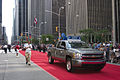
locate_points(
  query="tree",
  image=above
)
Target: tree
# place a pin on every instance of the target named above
(89, 34)
(102, 34)
(47, 39)
(35, 41)
(86, 34)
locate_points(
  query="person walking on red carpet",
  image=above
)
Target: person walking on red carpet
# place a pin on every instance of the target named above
(28, 48)
(17, 50)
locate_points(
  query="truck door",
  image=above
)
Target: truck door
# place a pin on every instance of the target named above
(62, 50)
(57, 50)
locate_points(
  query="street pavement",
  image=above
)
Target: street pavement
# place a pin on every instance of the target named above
(14, 68)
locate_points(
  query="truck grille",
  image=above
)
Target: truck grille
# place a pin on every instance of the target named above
(92, 56)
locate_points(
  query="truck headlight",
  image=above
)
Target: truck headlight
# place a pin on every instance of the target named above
(104, 55)
(76, 55)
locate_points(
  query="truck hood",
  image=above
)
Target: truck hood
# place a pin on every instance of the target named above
(86, 50)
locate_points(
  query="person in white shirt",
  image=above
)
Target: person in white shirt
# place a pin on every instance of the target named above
(28, 48)
(5, 48)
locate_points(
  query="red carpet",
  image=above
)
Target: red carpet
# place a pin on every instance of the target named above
(110, 72)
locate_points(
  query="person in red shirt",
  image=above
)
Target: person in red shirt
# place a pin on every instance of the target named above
(17, 50)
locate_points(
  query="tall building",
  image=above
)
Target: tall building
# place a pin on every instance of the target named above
(1, 34)
(84, 14)
(23, 16)
(36, 19)
(48, 17)
(0, 11)
(16, 22)
(26, 11)
(0, 21)
(117, 20)
(56, 5)
(4, 36)
(20, 19)
(14, 28)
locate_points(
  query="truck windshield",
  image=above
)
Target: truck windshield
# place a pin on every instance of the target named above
(77, 45)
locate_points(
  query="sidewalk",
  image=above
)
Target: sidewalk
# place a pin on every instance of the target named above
(13, 68)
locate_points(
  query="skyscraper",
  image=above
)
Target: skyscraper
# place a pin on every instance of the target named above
(36, 13)
(4, 36)
(20, 18)
(23, 16)
(0, 21)
(56, 5)
(117, 20)
(48, 16)
(84, 14)
(0, 11)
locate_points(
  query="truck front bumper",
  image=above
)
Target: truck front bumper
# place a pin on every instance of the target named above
(85, 63)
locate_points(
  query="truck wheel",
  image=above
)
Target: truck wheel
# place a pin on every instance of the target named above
(99, 68)
(69, 65)
(50, 60)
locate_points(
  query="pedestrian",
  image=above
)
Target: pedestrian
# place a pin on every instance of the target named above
(44, 48)
(101, 48)
(33, 47)
(107, 53)
(5, 48)
(17, 50)
(28, 47)
(9, 48)
(39, 48)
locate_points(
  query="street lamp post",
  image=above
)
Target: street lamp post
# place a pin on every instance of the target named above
(39, 29)
(59, 20)
(58, 14)
(113, 22)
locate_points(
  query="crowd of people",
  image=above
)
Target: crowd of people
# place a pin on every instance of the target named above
(27, 47)
(111, 52)
(5, 47)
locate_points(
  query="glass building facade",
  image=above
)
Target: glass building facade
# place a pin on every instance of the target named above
(0, 11)
(84, 14)
(23, 16)
(56, 4)
(1, 22)
(37, 11)
(100, 14)
(117, 20)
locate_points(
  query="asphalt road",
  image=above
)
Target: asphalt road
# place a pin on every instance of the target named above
(14, 68)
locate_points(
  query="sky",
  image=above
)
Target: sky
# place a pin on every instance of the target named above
(7, 16)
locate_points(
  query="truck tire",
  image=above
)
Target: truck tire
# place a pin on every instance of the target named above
(99, 68)
(69, 64)
(50, 59)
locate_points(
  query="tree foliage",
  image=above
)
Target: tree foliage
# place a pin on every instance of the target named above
(47, 39)
(35, 41)
(88, 34)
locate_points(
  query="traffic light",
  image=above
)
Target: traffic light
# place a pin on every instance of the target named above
(56, 28)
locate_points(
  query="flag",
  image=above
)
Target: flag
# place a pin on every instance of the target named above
(35, 20)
